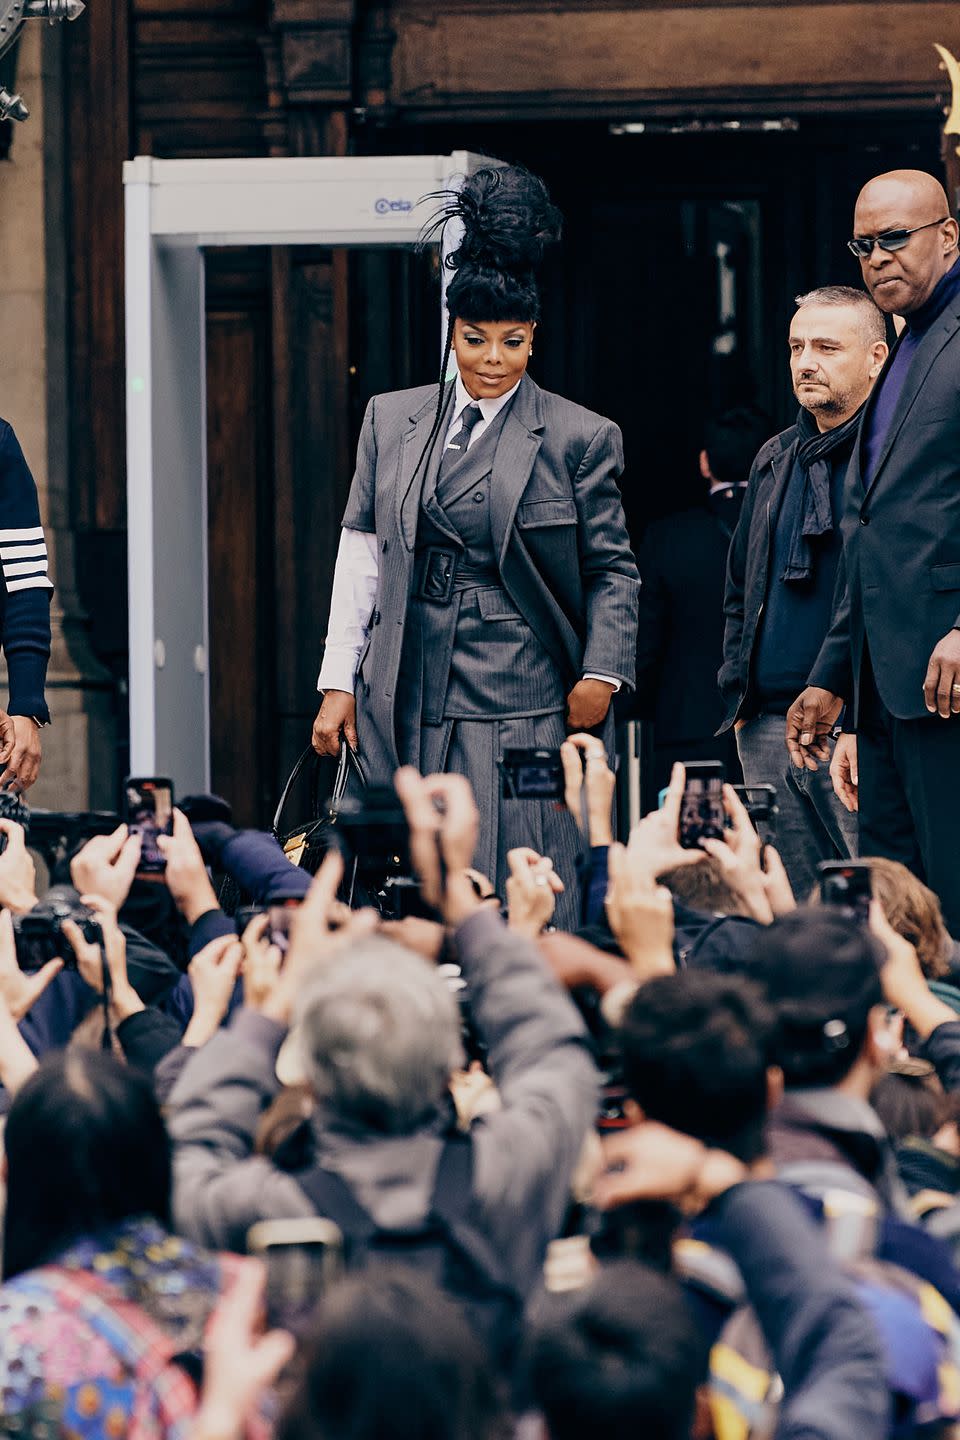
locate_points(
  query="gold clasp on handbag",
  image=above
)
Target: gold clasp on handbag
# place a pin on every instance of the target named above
(294, 847)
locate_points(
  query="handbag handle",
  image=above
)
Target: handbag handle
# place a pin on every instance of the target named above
(348, 760)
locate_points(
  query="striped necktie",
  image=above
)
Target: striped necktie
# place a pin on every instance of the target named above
(457, 447)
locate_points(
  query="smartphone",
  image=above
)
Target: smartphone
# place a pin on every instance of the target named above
(532, 774)
(149, 813)
(760, 803)
(702, 816)
(303, 1259)
(279, 923)
(847, 884)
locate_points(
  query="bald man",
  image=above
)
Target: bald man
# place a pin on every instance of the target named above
(892, 654)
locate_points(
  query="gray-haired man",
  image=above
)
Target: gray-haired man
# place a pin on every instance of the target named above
(783, 564)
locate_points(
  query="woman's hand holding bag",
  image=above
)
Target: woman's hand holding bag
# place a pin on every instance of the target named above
(336, 721)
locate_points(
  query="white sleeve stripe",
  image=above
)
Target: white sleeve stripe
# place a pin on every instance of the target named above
(34, 533)
(27, 567)
(35, 582)
(21, 552)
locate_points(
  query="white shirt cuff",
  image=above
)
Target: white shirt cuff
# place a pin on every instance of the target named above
(339, 668)
(607, 679)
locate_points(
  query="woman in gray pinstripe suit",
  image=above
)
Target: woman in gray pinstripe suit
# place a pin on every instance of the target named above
(485, 594)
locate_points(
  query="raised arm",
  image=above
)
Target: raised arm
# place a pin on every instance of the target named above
(826, 1350)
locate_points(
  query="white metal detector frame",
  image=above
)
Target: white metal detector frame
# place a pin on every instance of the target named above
(174, 209)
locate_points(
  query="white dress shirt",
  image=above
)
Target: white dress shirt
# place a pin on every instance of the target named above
(357, 569)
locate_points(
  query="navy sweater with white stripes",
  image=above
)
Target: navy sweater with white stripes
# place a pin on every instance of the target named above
(25, 625)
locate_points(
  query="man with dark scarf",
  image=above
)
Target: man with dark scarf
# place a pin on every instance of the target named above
(783, 567)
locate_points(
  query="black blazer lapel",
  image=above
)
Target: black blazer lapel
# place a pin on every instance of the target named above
(411, 474)
(927, 351)
(517, 449)
(859, 449)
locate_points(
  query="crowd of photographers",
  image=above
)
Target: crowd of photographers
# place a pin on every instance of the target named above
(284, 1166)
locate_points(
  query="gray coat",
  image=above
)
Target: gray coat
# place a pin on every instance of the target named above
(558, 529)
(524, 1155)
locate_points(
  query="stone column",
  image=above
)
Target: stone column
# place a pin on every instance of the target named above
(78, 765)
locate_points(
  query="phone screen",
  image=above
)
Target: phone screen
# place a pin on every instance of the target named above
(702, 816)
(303, 1259)
(149, 807)
(849, 886)
(280, 923)
(532, 775)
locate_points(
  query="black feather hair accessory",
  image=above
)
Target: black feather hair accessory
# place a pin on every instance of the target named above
(507, 216)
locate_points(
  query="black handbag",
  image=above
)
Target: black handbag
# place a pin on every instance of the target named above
(307, 843)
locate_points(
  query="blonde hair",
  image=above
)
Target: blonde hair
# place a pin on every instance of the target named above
(913, 910)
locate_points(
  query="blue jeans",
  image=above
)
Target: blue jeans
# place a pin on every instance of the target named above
(812, 824)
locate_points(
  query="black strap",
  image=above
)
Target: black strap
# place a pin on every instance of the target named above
(331, 1197)
(454, 1177)
(455, 1181)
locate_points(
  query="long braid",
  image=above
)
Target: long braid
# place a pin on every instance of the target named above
(428, 448)
(447, 347)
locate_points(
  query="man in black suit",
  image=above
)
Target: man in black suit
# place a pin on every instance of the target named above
(893, 648)
(683, 565)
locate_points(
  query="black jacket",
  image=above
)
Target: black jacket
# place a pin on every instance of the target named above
(901, 535)
(748, 576)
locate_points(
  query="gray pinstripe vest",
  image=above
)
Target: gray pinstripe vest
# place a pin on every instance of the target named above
(473, 657)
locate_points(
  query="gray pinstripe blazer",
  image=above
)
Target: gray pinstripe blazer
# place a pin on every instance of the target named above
(558, 529)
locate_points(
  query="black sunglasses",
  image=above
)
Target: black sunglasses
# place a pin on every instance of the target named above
(862, 245)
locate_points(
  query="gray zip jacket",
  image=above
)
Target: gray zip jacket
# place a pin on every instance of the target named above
(524, 1155)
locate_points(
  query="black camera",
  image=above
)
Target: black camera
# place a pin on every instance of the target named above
(760, 803)
(13, 808)
(39, 933)
(57, 835)
(399, 898)
(372, 833)
(530, 774)
(374, 839)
